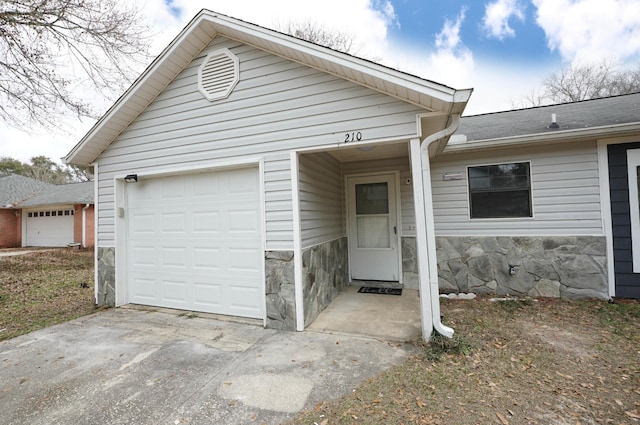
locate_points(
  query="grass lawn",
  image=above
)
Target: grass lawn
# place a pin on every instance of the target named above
(44, 288)
(512, 362)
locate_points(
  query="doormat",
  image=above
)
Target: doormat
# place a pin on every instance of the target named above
(383, 291)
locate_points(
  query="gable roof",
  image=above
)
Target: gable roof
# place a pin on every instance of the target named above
(15, 189)
(610, 116)
(18, 191)
(206, 26)
(73, 193)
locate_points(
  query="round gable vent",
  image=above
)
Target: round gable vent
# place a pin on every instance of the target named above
(218, 74)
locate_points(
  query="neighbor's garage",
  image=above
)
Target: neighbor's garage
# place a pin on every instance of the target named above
(49, 227)
(194, 242)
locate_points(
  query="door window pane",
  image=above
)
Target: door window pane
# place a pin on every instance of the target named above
(373, 232)
(372, 198)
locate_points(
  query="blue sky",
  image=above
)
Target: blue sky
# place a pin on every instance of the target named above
(502, 49)
(419, 22)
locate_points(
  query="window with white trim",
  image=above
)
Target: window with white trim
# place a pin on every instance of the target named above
(500, 191)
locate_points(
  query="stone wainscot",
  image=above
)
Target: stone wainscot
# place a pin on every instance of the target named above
(572, 267)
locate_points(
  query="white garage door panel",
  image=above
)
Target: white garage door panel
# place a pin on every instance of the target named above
(50, 230)
(194, 242)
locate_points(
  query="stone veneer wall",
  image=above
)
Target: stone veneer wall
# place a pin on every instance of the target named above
(409, 263)
(106, 277)
(573, 267)
(324, 274)
(280, 288)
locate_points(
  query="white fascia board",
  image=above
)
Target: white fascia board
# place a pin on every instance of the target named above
(141, 81)
(401, 79)
(540, 138)
(243, 32)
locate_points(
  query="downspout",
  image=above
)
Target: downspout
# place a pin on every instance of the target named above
(84, 225)
(432, 262)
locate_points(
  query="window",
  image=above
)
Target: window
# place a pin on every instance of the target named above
(500, 191)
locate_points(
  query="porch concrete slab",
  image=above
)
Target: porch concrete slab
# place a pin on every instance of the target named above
(123, 366)
(388, 317)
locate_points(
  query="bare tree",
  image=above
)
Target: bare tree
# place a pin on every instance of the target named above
(582, 82)
(314, 32)
(49, 48)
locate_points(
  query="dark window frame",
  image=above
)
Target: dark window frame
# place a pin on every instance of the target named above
(500, 191)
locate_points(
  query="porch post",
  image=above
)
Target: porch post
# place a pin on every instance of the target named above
(297, 250)
(421, 240)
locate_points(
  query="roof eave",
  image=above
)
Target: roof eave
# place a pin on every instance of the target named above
(78, 154)
(207, 25)
(540, 138)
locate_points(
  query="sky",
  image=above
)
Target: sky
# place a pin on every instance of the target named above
(503, 49)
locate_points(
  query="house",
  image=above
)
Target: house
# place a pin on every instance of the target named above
(542, 201)
(250, 173)
(36, 213)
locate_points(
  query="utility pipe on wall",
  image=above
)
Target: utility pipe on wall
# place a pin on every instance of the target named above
(84, 225)
(426, 235)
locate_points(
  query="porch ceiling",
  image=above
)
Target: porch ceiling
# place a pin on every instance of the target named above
(370, 152)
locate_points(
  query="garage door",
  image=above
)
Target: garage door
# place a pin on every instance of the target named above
(49, 227)
(194, 243)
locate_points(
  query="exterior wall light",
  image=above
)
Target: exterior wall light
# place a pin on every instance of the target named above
(131, 178)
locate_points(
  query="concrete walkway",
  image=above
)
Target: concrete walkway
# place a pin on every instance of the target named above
(389, 317)
(127, 366)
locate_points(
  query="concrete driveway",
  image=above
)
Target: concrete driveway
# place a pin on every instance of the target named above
(128, 366)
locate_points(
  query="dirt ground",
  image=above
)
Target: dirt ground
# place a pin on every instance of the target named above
(543, 361)
(43, 288)
(514, 362)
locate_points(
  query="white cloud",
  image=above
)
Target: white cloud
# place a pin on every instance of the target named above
(366, 20)
(590, 31)
(451, 62)
(496, 18)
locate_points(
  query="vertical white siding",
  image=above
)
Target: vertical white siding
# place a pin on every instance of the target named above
(406, 191)
(277, 105)
(320, 199)
(564, 184)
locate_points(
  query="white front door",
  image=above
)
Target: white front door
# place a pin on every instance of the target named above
(373, 228)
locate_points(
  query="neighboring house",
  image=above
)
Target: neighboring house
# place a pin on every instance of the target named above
(542, 201)
(250, 173)
(35, 213)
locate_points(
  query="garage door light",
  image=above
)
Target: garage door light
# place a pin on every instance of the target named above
(131, 178)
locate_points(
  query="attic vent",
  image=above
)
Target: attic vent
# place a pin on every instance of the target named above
(218, 74)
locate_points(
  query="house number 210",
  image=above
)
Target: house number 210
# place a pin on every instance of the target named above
(352, 137)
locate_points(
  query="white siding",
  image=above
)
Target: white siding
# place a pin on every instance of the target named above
(277, 105)
(406, 190)
(320, 199)
(565, 192)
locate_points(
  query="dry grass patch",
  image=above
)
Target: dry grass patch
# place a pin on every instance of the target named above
(534, 362)
(44, 288)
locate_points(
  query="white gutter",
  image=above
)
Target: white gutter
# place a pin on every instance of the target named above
(84, 225)
(548, 137)
(429, 277)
